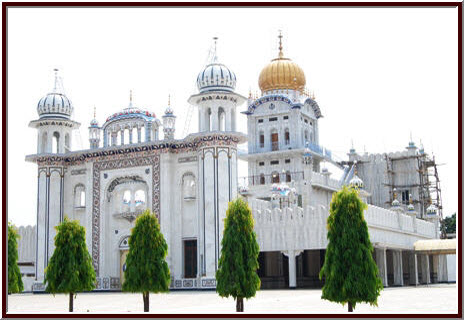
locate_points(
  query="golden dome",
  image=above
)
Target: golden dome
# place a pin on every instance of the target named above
(281, 73)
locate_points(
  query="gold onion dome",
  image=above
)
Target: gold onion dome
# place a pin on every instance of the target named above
(281, 73)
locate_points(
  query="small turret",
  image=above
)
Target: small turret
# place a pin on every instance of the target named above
(94, 132)
(169, 122)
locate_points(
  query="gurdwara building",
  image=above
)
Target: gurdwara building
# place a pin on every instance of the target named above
(135, 163)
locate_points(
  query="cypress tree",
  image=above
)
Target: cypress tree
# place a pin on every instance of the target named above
(236, 275)
(70, 268)
(350, 272)
(146, 268)
(15, 283)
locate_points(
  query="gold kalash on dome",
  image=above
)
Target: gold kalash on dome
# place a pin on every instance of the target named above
(282, 74)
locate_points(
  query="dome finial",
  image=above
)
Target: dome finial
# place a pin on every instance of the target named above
(281, 54)
(56, 80)
(215, 49)
(94, 112)
(169, 100)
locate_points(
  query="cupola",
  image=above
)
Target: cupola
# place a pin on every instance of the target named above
(55, 104)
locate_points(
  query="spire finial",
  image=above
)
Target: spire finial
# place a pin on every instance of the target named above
(94, 112)
(169, 100)
(355, 168)
(215, 49)
(281, 54)
(55, 88)
(130, 98)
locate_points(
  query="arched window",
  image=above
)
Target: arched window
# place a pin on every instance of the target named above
(79, 196)
(126, 197)
(306, 136)
(261, 139)
(55, 142)
(67, 146)
(189, 186)
(126, 136)
(288, 176)
(287, 136)
(275, 177)
(44, 142)
(134, 135)
(143, 137)
(222, 119)
(262, 179)
(139, 198)
(274, 140)
(209, 120)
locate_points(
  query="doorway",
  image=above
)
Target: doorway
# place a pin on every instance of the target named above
(123, 264)
(190, 258)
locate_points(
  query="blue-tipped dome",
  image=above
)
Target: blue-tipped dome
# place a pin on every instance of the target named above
(94, 123)
(55, 105)
(216, 77)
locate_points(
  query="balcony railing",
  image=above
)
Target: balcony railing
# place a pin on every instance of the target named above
(265, 179)
(319, 150)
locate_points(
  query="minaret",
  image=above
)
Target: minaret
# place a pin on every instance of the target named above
(94, 131)
(169, 121)
(54, 128)
(217, 156)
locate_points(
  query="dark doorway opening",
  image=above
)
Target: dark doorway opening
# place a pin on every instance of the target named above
(190, 258)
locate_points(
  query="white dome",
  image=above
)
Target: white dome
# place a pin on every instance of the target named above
(54, 105)
(356, 182)
(216, 77)
(432, 210)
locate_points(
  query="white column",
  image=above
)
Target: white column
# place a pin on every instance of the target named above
(425, 269)
(442, 273)
(130, 135)
(139, 134)
(215, 118)
(122, 135)
(381, 259)
(292, 254)
(397, 268)
(413, 274)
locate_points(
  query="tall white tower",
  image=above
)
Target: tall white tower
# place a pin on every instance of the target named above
(217, 155)
(54, 128)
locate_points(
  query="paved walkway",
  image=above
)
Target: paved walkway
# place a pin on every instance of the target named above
(438, 298)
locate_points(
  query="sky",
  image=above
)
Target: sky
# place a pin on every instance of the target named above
(379, 75)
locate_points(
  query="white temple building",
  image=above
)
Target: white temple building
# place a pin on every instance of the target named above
(134, 163)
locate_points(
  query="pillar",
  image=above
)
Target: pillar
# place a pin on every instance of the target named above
(425, 268)
(442, 273)
(398, 268)
(413, 274)
(122, 136)
(291, 254)
(228, 120)
(130, 135)
(381, 259)
(139, 134)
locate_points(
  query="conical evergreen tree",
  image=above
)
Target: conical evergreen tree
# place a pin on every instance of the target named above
(236, 275)
(350, 272)
(70, 268)
(146, 267)
(15, 283)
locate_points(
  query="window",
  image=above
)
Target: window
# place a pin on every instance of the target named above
(261, 163)
(306, 120)
(288, 177)
(126, 198)
(285, 117)
(274, 162)
(261, 140)
(222, 119)
(260, 120)
(405, 196)
(287, 160)
(79, 196)
(275, 177)
(139, 198)
(287, 136)
(274, 141)
(262, 180)
(273, 119)
(55, 142)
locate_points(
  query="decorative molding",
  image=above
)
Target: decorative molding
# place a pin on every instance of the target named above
(123, 162)
(188, 159)
(78, 172)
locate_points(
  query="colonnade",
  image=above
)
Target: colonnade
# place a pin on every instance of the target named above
(300, 268)
(129, 134)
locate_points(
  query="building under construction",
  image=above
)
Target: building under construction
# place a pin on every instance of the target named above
(411, 176)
